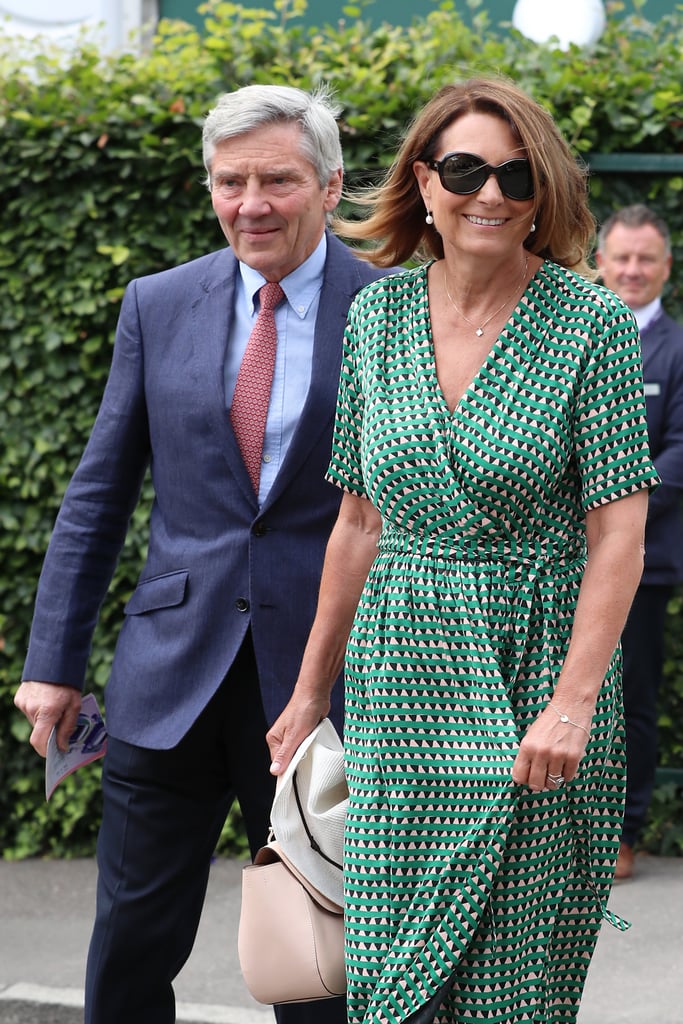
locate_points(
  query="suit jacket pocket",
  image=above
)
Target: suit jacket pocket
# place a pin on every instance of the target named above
(164, 591)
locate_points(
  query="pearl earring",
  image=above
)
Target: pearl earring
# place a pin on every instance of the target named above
(532, 228)
(429, 219)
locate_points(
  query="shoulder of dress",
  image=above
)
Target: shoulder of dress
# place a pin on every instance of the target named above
(580, 293)
(394, 283)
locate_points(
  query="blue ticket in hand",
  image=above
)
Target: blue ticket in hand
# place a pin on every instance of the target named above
(87, 742)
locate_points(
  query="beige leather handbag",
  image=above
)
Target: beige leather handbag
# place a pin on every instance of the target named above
(291, 937)
(291, 930)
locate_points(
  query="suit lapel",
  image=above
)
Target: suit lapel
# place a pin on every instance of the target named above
(341, 281)
(653, 340)
(211, 323)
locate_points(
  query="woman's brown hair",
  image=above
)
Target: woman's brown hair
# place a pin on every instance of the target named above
(565, 227)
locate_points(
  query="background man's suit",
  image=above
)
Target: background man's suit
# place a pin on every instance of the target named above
(662, 348)
(217, 624)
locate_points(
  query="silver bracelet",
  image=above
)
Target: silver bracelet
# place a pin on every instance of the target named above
(566, 720)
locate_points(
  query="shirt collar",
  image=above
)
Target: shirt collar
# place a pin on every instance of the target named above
(646, 314)
(300, 287)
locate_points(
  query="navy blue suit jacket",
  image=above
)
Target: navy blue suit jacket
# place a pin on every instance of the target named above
(662, 348)
(216, 564)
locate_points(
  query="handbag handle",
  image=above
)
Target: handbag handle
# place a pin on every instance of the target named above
(312, 841)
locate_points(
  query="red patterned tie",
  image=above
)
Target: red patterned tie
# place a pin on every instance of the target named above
(254, 381)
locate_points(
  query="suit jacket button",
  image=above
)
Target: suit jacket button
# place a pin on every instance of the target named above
(259, 529)
(241, 604)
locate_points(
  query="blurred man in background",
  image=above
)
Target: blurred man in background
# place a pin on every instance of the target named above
(634, 259)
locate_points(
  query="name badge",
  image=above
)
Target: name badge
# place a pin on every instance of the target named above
(652, 389)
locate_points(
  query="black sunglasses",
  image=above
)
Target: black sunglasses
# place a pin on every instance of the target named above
(465, 173)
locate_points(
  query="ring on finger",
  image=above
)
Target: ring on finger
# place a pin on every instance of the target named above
(557, 780)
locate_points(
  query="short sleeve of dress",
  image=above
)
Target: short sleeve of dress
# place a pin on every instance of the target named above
(611, 441)
(345, 469)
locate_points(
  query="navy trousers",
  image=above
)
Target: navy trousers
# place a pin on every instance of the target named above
(162, 814)
(643, 648)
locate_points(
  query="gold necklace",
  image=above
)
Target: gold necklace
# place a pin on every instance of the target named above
(480, 329)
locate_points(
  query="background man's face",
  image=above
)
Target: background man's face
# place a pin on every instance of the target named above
(634, 264)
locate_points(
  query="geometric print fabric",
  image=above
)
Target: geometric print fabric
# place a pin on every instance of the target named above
(451, 870)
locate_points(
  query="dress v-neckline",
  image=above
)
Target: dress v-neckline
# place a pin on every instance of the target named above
(488, 359)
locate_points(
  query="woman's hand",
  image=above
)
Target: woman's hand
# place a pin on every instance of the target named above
(297, 721)
(552, 749)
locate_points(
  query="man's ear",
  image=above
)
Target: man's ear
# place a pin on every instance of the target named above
(598, 261)
(334, 190)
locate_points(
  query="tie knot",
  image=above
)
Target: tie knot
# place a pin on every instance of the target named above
(270, 294)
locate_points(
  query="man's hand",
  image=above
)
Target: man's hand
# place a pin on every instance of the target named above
(47, 705)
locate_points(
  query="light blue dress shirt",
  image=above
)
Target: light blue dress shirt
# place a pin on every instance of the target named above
(295, 324)
(646, 314)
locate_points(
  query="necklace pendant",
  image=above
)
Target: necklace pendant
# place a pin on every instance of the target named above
(479, 331)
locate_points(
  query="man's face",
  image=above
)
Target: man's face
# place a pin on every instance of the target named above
(268, 199)
(634, 264)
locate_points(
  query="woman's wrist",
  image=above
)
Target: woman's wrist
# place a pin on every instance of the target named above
(567, 719)
(313, 692)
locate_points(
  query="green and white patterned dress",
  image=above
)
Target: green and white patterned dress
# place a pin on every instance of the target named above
(458, 641)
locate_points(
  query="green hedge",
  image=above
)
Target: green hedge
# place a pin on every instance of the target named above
(102, 181)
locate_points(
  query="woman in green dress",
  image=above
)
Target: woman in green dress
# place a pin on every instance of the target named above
(492, 449)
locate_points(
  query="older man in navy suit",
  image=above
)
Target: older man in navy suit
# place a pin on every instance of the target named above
(214, 632)
(634, 258)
